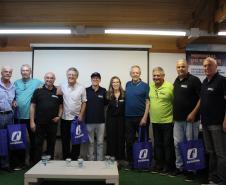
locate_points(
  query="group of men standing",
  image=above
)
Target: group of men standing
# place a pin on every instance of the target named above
(175, 112)
(174, 109)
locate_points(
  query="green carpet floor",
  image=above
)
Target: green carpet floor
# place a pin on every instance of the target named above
(126, 178)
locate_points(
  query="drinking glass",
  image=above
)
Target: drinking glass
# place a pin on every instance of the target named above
(80, 162)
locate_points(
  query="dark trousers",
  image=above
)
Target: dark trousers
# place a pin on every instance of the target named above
(115, 130)
(131, 129)
(45, 131)
(68, 151)
(5, 120)
(164, 154)
(19, 156)
(215, 143)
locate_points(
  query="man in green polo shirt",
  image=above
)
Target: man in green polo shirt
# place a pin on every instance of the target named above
(161, 111)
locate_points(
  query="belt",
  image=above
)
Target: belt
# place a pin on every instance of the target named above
(6, 112)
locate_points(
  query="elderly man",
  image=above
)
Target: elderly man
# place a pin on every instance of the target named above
(45, 113)
(136, 109)
(185, 110)
(74, 104)
(7, 104)
(161, 111)
(25, 88)
(213, 119)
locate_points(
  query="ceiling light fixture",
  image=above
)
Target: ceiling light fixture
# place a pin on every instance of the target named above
(221, 33)
(145, 32)
(35, 31)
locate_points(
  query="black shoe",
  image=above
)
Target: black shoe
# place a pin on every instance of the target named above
(189, 177)
(156, 169)
(176, 172)
(17, 169)
(7, 169)
(165, 171)
(128, 167)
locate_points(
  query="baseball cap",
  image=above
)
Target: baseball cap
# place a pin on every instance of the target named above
(95, 74)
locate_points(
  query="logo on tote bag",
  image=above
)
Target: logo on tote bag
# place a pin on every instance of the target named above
(16, 136)
(192, 153)
(143, 154)
(78, 132)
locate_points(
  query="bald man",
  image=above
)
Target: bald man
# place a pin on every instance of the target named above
(45, 113)
(185, 110)
(213, 119)
(7, 104)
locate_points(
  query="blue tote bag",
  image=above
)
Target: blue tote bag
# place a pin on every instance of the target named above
(142, 152)
(193, 154)
(3, 142)
(17, 136)
(79, 133)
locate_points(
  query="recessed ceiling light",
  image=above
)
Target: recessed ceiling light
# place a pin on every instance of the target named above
(35, 31)
(145, 32)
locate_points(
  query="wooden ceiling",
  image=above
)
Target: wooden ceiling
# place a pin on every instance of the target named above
(207, 15)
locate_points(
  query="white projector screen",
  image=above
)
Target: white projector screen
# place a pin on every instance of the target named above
(108, 63)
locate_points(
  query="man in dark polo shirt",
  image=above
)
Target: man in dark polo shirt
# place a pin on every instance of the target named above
(45, 113)
(185, 109)
(95, 119)
(213, 119)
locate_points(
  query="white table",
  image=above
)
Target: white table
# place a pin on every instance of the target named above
(91, 170)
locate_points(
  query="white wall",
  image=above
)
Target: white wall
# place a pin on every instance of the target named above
(15, 60)
(167, 61)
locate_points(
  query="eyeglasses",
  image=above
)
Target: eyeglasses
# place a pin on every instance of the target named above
(25, 86)
(157, 93)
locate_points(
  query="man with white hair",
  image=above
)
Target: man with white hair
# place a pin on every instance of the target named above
(213, 119)
(25, 88)
(136, 109)
(7, 104)
(45, 113)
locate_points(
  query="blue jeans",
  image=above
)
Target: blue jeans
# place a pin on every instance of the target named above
(98, 130)
(215, 143)
(183, 131)
(5, 119)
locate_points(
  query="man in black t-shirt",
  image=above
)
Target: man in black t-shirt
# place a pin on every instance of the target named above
(185, 109)
(45, 113)
(213, 119)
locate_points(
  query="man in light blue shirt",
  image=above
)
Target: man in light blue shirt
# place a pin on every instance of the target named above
(24, 91)
(7, 104)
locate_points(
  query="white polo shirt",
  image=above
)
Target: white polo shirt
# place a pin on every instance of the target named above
(73, 97)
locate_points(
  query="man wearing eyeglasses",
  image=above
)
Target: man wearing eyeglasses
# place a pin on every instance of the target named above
(25, 88)
(161, 112)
